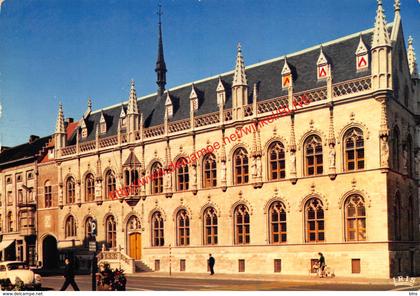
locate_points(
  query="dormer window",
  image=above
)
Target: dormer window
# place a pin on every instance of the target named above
(323, 67)
(84, 132)
(8, 180)
(19, 178)
(102, 124)
(193, 99)
(51, 153)
(123, 117)
(286, 76)
(169, 106)
(362, 57)
(30, 175)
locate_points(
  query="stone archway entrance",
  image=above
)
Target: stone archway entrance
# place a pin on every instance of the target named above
(49, 252)
(134, 238)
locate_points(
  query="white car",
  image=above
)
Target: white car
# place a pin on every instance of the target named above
(14, 270)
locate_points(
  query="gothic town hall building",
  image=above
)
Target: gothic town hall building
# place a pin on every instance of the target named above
(338, 175)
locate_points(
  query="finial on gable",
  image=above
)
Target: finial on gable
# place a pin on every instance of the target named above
(412, 62)
(239, 76)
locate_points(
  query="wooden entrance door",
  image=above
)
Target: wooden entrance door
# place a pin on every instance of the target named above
(135, 245)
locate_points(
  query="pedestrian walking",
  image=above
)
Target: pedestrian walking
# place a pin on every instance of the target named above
(211, 263)
(321, 264)
(69, 276)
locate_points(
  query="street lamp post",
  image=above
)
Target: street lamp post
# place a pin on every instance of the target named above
(170, 260)
(93, 248)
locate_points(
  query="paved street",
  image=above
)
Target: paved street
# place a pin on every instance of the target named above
(140, 282)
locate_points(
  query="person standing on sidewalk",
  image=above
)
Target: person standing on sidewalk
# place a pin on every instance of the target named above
(321, 264)
(211, 263)
(69, 276)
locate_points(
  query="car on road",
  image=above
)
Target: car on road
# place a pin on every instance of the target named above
(15, 271)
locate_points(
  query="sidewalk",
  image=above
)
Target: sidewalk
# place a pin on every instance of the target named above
(264, 277)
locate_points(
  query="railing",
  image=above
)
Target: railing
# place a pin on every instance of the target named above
(117, 259)
(314, 95)
(352, 86)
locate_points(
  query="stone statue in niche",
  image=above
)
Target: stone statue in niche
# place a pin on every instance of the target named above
(223, 171)
(169, 180)
(254, 167)
(259, 167)
(194, 175)
(384, 152)
(293, 162)
(332, 156)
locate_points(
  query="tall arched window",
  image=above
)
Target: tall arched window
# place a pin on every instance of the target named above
(88, 228)
(89, 188)
(314, 218)
(182, 176)
(47, 194)
(131, 176)
(276, 161)
(210, 226)
(313, 156)
(110, 183)
(111, 232)
(209, 171)
(240, 166)
(396, 148)
(157, 178)
(70, 190)
(10, 221)
(157, 230)
(355, 215)
(242, 225)
(354, 149)
(70, 227)
(397, 217)
(410, 218)
(183, 228)
(277, 222)
(409, 159)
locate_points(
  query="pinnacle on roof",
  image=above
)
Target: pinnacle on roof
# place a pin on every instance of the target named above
(361, 48)
(160, 62)
(102, 119)
(412, 63)
(397, 5)
(380, 33)
(132, 101)
(220, 86)
(59, 126)
(193, 94)
(322, 59)
(122, 113)
(239, 76)
(168, 101)
(286, 68)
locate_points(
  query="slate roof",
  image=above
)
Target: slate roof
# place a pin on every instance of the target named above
(340, 54)
(22, 153)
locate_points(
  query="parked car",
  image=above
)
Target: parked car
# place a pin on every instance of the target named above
(15, 270)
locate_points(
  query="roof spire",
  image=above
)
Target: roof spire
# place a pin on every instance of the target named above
(380, 32)
(59, 126)
(160, 62)
(132, 101)
(397, 5)
(412, 63)
(239, 77)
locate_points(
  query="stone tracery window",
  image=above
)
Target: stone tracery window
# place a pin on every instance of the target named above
(70, 190)
(182, 228)
(70, 227)
(355, 215)
(110, 183)
(354, 150)
(277, 223)
(276, 161)
(182, 175)
(313, 156)
(157, 230)
(111, 232)
(47, 194)
(90, 188)
(314, 218)
(240, 166)
(210, 226)
(157, 176)
(242, 225)
(209, 171)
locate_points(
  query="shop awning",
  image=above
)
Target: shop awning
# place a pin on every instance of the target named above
(5, 243)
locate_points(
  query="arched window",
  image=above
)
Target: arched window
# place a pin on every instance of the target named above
(157, 230)
(88, 228)
(111, 232)
(276, 161)
(396, 148)
(70, 227)
(10, 221)
(157, 178)
(210, 226)
(313, 156)
(110, 183)
(410, 218)
(183, 228)
(131, 176)
(355, 215)
(89, 188)
(240, 163)
(47, 194)
(277, 222)
(397, 217)
(209, 171)
(354, 149)
(409, 160)
(182, 176)
(70, 190)
(314, 218)
(242, 225)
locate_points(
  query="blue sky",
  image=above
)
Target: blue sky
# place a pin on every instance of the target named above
(53, 50)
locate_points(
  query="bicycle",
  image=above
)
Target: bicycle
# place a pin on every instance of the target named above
(327, 272)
